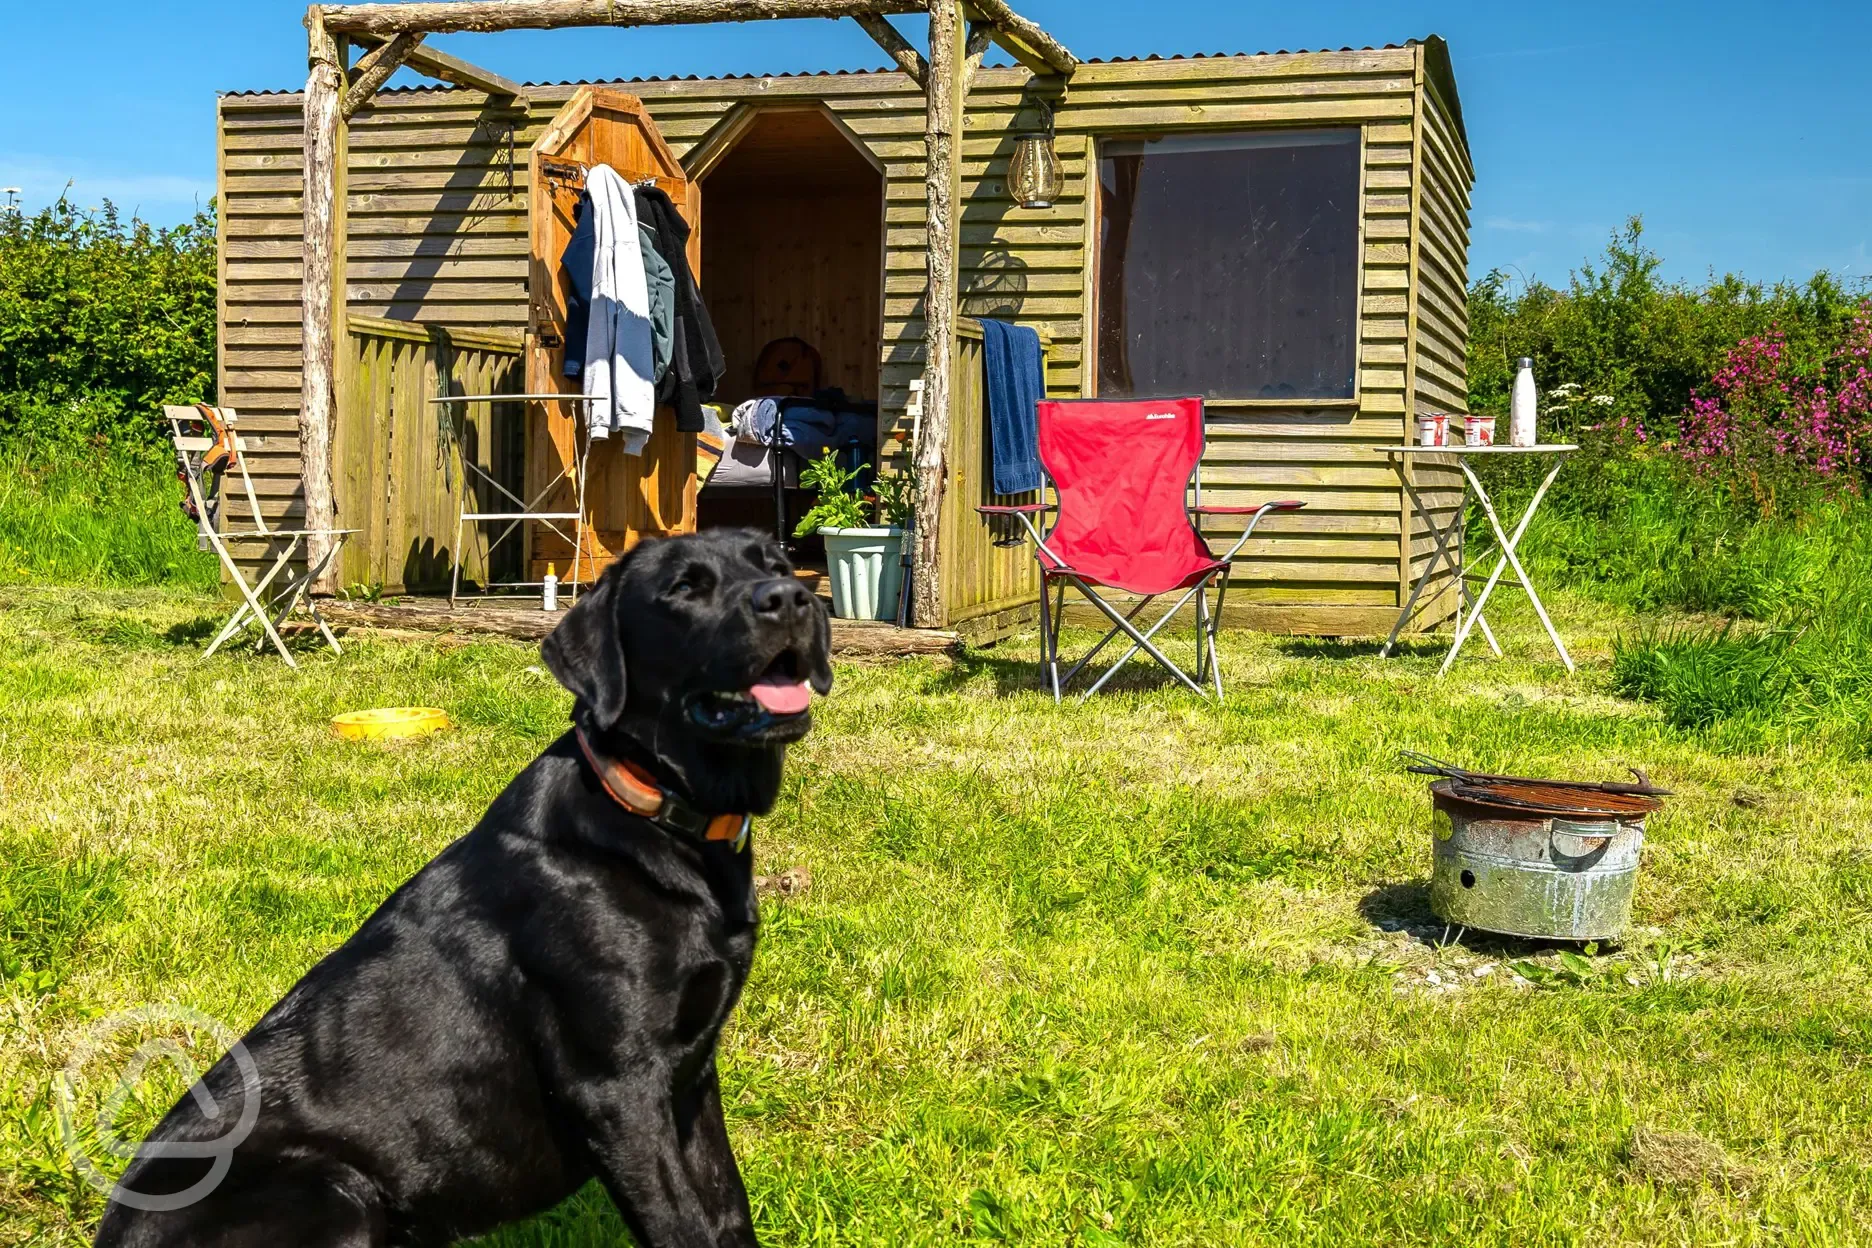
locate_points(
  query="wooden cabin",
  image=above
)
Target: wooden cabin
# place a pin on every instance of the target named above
(1284, 233)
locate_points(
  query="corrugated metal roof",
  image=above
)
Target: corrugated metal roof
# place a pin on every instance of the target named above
(852, 73)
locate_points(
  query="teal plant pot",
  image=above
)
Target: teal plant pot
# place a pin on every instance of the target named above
(865, 567)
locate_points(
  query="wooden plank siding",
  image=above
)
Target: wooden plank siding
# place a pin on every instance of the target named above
(401, 462)
(1440, 294)
(436, 235)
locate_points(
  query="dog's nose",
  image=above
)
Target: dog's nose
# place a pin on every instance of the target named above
(781, 598)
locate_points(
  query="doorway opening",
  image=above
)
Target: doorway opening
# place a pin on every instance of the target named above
(793, 271)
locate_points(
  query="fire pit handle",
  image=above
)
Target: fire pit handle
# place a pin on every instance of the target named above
(1592, 838)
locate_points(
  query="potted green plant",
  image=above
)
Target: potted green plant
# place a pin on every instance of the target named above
(863, 538)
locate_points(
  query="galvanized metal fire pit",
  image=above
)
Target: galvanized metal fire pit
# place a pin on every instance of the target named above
(1535, 858)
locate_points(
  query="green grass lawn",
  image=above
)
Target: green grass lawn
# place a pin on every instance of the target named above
(1143, 971)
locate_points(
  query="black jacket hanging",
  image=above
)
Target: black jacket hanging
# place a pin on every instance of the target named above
(696, 365)
(577, 263)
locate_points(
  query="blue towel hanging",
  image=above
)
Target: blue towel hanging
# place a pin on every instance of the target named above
(1015, 383)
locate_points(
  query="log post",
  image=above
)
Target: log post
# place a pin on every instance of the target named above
(324, 97)
(942, 137)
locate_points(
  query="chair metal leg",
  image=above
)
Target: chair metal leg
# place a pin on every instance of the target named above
(311, 605)
(1104, 641)
(1059, 618)
(1202, 632)
(1049, 666)
(1141, 641)
(1215, 625)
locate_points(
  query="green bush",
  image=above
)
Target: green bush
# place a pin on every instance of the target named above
(102, 321)
(1621, 356)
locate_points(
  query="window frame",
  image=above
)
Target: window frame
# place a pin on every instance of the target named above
(1094, 221)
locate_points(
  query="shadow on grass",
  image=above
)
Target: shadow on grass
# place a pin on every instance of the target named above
(193, 632)
(1026, 675)
(1359, 647)
(1405, 907)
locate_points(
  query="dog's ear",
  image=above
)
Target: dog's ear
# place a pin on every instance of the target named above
(819, 666)
(587, 655)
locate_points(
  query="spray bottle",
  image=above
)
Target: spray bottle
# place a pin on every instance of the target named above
(549, 590)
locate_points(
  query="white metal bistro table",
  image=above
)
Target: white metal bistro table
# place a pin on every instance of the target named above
(1451, 551)
(527, 511)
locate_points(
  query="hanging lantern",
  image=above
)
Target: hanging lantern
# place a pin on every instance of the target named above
(1035, 178)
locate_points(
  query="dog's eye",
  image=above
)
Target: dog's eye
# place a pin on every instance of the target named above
(694, 580)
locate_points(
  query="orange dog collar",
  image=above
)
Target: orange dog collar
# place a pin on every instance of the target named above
(637, 791)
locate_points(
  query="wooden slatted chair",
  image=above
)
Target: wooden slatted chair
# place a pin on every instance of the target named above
(207, 451)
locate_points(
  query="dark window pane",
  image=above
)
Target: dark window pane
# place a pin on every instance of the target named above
(1228, 265)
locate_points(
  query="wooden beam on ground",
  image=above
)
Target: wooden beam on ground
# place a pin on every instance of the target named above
(942, 139)
(375, 70)
(900, 49)
(1024, 41)
(980, 35)
(851, 639)
(434, 63)
(438, 17)
(321, 245)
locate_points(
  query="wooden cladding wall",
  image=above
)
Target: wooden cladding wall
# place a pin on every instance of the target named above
(1440, 322)
(792, 265)
(437, 214)
(399, 461)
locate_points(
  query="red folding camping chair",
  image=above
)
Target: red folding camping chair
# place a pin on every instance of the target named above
(1123, 472)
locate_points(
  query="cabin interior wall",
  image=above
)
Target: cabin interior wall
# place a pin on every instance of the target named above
(795, 249)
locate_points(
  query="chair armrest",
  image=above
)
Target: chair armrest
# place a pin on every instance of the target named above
(1019, 509)
(1286, 504)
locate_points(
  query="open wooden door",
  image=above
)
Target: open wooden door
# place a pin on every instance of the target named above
(627, 497)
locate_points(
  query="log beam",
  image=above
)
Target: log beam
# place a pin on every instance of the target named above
(900, 49)
(375, 70)
(437, 64)
(1024, 41)
(980, 35)
(318, 384)
(942, 138)
(439, 17)
(851, 639)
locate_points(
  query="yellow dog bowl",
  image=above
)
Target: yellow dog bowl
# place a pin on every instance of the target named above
(390, 721)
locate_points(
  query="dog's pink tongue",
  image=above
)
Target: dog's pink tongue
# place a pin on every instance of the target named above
(782, 697)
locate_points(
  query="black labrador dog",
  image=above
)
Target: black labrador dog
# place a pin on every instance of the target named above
(540, 1004)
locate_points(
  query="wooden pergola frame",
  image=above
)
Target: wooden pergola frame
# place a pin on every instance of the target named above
(393, 34)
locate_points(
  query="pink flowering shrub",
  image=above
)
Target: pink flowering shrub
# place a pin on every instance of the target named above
(1774, 424)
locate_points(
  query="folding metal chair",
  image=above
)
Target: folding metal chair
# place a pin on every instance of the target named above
(1123, 473)
(207, 450)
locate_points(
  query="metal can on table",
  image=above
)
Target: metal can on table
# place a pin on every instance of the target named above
(1479, 430)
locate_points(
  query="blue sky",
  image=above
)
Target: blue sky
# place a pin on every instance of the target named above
(1736, 130)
